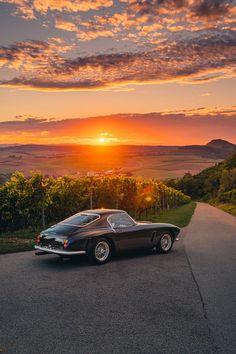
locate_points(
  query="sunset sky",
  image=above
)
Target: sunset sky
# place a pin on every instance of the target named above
(162, 71)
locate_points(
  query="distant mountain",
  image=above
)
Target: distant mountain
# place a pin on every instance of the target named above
(219, 143)
(8, 145)
(215, 148)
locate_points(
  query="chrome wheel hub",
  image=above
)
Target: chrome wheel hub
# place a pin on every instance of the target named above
(166, 242)
(102, 251)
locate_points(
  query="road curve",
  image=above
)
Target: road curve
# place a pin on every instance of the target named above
(210, 244)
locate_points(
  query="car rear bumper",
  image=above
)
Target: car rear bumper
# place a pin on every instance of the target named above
(59, 252)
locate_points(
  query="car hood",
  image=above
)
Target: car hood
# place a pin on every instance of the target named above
(158, 225)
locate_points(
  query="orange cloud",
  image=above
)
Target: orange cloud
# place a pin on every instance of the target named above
(185, 127)
(65, 25)
(28, 8)
(70, 5)
(89, 35)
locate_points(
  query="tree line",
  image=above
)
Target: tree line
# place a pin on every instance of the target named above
(37, 201)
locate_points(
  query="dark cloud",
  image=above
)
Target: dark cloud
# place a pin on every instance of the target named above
(22, 53)
(205, 57)
(29, 118)
(212, 9)
(209, 9)
(153, 7)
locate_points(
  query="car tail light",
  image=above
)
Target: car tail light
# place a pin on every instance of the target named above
(65, 243)
(38, 240)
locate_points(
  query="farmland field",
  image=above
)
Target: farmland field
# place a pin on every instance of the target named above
(147, 162)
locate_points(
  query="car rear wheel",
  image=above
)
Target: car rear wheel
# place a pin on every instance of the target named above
(165, 243)
(100, 252)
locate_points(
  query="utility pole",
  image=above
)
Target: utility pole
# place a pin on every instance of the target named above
(91, 199)
(43, 216)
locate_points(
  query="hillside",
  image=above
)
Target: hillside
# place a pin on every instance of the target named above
(214, 183)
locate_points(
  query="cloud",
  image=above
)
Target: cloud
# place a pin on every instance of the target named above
(70, 5)
(65, 25)
(89, 35)
(185, 127)
(23, 8)
(139, 21)
(155, 7)
(167, 40)
(92, 31)
(212, 9)
(203, 58)
(24, 53)
(206, 111)
(32, 55)
(28, 9)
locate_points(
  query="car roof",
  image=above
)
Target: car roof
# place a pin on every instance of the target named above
(103, 211)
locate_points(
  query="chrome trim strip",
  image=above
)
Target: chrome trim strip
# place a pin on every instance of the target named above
(68, 253)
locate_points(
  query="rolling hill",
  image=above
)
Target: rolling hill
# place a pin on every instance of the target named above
(147, 161)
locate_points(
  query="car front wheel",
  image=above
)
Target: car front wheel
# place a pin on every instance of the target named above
(165, 243)
(100, 252)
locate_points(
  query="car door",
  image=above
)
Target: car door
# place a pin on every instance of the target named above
(128, 234)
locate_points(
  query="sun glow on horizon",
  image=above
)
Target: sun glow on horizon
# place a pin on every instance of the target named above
(105, 138)
(102, 140)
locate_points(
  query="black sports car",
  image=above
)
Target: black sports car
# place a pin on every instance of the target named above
(102, 232)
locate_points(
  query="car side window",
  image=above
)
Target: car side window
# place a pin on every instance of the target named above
(121, 220)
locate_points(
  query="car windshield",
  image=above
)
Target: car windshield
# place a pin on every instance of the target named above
(80, 219)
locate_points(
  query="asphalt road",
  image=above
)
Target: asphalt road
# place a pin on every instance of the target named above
(137, 303)
(211, 248)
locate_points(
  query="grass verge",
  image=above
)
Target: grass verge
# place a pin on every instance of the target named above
(180, 216)
(11, 245)
(17, 241)
(229, 208)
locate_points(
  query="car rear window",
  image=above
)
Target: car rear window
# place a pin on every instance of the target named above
(80, 219)
(61, 229)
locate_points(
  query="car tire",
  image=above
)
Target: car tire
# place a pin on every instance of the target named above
(165, 243)
(100, 252)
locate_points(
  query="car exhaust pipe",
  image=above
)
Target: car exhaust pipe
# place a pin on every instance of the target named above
(40, 253)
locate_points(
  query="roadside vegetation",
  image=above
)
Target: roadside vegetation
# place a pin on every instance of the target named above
(229, 208)
(215, 185)
(180, 216)
(17, 241)
(11, 245)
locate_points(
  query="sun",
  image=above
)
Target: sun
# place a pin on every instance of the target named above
(105, 139)
(102, 140)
